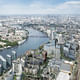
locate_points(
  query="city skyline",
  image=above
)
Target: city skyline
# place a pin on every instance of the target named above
(15, 7)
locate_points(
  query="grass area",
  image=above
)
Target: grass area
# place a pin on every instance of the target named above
(14, 77)
(41, 47)
(12, 43)
(1, 46)
(8, 43)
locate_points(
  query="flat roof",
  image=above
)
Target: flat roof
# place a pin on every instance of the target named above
(65, 67)
(62, 76)
(1, 57)
(8, 55)
(13, 51)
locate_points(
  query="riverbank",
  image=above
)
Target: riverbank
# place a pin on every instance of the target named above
(9, 44)
(41, 31)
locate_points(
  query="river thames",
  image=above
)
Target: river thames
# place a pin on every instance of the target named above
(30, 43)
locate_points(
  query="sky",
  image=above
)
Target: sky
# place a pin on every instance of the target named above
(15, 7)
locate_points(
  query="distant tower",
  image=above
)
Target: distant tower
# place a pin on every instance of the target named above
(53, 34)
(14, 55)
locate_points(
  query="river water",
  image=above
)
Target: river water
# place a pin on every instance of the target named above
(30, 43)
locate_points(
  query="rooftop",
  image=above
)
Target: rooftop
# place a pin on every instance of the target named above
(2, 58)
(63, 76)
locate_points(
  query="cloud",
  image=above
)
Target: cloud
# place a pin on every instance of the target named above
(73, 3)
(69, 7)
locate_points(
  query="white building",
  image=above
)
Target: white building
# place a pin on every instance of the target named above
(14, 55)
(3, 61)
(66, 50)
(50, 48)
(60, 39)
(17, 69)
(0, 69)
(0, 24)
(48, 32)
(9, 61)
(20, 33)
(53, 34)
(57, 51)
